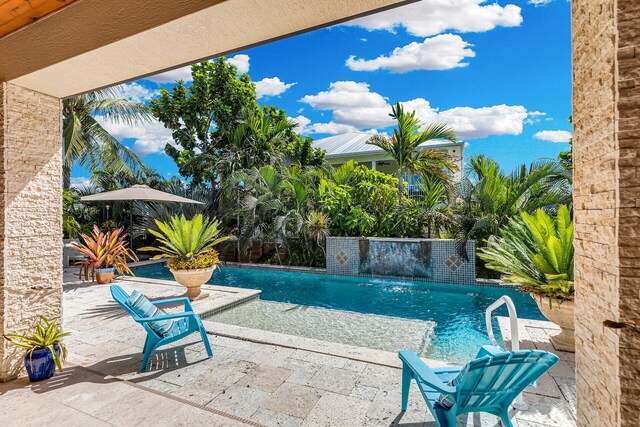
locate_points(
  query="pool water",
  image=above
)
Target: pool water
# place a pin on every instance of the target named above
(440, 321)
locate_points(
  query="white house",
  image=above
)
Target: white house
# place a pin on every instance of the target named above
(341, 148)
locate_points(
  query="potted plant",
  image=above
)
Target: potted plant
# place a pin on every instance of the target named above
(536, 252)
(105, 252)
(189, 245)
(45, 350)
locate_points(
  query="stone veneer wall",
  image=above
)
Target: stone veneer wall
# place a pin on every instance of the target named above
(343, 259)
(31, 220)
(606, 155)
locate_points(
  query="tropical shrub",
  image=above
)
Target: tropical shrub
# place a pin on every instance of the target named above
(188, 243)
(45, 334)
(70, 225)
(359, 201)
(105, 250)
(536, 252)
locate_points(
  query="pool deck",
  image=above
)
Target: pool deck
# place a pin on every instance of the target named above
(255, 378)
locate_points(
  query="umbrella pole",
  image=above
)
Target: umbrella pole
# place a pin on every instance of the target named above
(131, 225)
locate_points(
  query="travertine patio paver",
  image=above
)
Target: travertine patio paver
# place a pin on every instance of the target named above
(293, 399)
(254, 383)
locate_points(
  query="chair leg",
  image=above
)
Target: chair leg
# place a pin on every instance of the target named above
(506, 422)
(146, 341)
(406, 385)
(451, 415)
(205, 341)
(145, 360)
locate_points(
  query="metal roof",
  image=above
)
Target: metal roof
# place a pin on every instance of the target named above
(353, 144)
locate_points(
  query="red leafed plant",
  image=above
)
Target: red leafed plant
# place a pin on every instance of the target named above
(105, 250)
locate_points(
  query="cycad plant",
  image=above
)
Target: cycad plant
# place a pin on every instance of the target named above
(188, 243)
(536, 252)
(403, 147)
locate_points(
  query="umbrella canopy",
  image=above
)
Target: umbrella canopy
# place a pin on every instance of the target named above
(138, 192)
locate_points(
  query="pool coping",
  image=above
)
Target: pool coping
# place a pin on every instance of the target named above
(329, 348)
(260, 336)
(206, 307)
(240, 296)
(490, 283)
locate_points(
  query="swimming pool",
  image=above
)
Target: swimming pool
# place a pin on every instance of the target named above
(439, 321)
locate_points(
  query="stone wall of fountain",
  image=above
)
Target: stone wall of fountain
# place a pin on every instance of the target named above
(432, 260)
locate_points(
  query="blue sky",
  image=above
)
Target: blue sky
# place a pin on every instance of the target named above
(499, 73)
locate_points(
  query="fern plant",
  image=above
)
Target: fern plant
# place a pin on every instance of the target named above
(536, 252)
(184, 241)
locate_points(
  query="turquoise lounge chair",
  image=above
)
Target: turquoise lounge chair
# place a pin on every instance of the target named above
(490, 382)
(164, 328)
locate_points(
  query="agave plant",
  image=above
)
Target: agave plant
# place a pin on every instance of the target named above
(536, 252)
(105, 250)
(45, 334)
(183, 240)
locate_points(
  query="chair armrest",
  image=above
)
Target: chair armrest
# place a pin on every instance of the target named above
(423, 373)
(489, 350)
(165, 317)
(184, 300)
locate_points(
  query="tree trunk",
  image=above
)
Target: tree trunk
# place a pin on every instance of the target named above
(66, 178)
(400, 188)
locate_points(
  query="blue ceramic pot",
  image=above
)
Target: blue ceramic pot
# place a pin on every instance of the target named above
(40, 364)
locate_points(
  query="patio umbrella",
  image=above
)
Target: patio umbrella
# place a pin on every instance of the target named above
(138, 192)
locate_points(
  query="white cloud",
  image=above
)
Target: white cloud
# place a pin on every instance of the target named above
(537, 3)
(134, 92)
(431, 17)
(332, 128)
(271, 87)
(241, 62)
(553, 135)
(535, 117)
(80, 181)
(301, 123)
(442, 52)
(471, 123)
(354, 105)
(182, 73)
(149, 137)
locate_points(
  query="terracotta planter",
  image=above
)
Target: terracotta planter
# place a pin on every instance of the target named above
(193, 280)
(104, 275)
(561, 315)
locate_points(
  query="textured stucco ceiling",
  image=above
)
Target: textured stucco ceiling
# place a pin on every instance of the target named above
(225, 27)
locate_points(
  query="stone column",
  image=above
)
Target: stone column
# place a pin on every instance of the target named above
(30, 215)
(606, 156)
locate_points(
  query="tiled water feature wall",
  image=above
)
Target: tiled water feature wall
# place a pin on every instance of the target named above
(429, 260)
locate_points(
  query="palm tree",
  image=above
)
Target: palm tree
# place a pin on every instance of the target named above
(87, 143)
(403, 147)
(487, 197)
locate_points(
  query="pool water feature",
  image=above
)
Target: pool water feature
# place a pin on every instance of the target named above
(450, 318)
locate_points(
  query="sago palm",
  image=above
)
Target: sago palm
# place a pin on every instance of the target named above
(404, 147)
(89, 144)
(536, 252)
